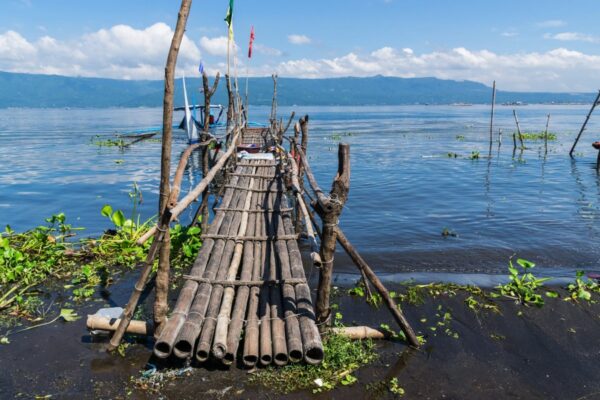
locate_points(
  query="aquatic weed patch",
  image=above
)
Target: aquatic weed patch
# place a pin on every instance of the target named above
(537, 135)
(523, 286)
(343, 357)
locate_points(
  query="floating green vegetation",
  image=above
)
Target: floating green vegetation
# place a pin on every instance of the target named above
(582, 288)
(336, 137)
(523, 287)
(343, 357)
(474, 155)
(387, 385)
(537, 135)
(448, 233)
(460, 138)
(452, 155)
(99, 141)
(50, 254)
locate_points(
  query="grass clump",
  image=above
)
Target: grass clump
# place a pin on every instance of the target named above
(537, 135)
(342, 358)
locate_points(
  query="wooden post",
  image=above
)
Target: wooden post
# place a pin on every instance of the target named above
(390, 303)
(273, 119)
(499, 138)
(329, 216)
(587, 118)
(230, 110)
(208, 93)
(162, 274)
(492, 116)
(518, 129)
(546, 135)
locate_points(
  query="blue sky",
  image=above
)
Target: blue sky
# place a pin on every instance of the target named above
(524, 45)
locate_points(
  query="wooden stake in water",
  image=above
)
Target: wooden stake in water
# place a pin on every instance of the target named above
(584, 124)
(518, 129)
(546, 135)
(492, 116)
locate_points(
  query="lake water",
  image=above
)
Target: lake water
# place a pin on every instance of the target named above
(404, 192)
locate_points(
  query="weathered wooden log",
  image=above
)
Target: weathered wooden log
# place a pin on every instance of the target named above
(165, 342)
(100, 323)
(162, 274)
(219, 347)
(587, 118)
(390, 303)
(323, 200)
(193, 195)
(311, 339)
(230, 111)
(339, 192)
(176, 186)
(208, 93)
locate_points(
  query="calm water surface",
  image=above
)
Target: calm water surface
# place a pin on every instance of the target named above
(404, 188)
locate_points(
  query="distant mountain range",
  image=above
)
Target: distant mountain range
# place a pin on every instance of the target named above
(29, 90)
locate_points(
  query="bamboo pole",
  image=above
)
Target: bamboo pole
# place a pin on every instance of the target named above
(264, 308)
(165, 342)
(176, 186)
(339, 191)
(546, 135)
(219, 347)
(242, 302)
(518, 128)
(587, 118)
(492, 117)
(311, 339)
(194, 193)
(359, 332)
(208, 93)
(198, 313)
(100, 323)
(231, 256)
(390, 303)
(162, 274)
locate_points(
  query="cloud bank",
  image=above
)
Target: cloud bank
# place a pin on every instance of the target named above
(127, 53)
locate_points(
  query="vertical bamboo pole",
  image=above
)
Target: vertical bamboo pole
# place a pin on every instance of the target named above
(546, 135)
(492, 116)
(162, 274)
(587, 118)
(518, 129)
(338, 196)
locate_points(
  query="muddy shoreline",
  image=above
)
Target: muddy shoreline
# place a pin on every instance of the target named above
(547, 352)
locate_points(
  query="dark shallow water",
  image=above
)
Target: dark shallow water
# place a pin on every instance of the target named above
(404, 189)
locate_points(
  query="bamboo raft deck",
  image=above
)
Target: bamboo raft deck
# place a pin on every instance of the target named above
(248, 277)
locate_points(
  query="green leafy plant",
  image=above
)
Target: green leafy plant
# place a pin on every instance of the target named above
(523, 287)
(474, 155)
(582, 288)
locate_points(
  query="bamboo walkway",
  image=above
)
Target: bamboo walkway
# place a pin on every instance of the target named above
(248, 277)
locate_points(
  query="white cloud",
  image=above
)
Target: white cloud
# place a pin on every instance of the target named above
(573, 37)
(216, 46)
(510, 33)
(556, 70)
(118, 52)
(267, 51)
(298, 39)
(551, 23)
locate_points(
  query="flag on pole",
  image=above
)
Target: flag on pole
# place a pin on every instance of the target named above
(201, 68)
(251, 41)
(229, 19)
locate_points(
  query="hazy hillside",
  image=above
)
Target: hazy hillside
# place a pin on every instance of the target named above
(28, 90)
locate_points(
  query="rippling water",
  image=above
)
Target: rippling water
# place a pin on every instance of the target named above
(404, 188)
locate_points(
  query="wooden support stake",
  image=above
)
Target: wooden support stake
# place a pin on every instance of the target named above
(518, 129)
(492, 116)
(162, 274)
(587, 118)
(546, 135)
(390, 303)
(337, 196)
